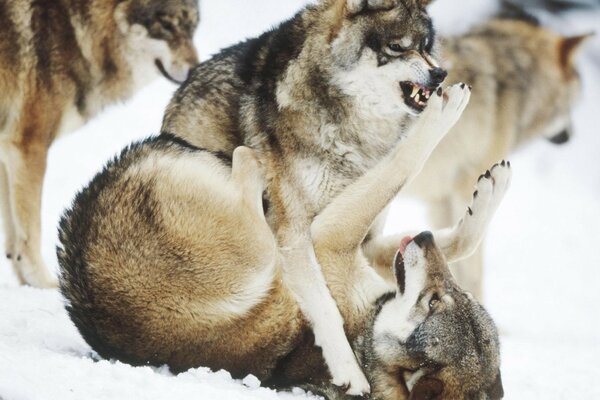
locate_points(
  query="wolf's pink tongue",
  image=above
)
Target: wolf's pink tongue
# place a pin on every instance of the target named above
(404, 242)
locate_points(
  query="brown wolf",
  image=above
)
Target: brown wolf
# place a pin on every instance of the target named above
(167, 258)
(61, 62)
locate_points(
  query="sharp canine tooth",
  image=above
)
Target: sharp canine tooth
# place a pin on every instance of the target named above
(415, 91)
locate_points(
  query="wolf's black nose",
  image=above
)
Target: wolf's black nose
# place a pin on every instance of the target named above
(423, 238)
(438, 75)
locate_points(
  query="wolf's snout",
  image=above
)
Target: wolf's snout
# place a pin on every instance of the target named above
(423, 239)
(438, 75)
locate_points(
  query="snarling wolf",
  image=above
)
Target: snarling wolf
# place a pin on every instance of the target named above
(61, 62)
(525, 86)
(167, 258)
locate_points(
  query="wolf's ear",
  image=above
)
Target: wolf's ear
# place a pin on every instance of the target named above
(569, 47)
(357, 6)
(427, 389)
(424, 3)
(496, 391)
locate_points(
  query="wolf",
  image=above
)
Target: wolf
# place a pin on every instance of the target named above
(320, 99)
(167, 257)
(61, 62)
(525, 85)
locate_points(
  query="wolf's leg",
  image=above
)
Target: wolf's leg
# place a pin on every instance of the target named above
(464, 238)
(344, 223)
(26, 169)
(304, 277)
(7, 220)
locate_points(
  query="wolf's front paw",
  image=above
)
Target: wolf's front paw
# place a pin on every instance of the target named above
(349, 376)
(457, 98)
(489, 192)
(445, 108)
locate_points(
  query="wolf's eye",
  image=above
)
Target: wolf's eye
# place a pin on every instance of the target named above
(435, 299)
(395, 49)
(167, 26)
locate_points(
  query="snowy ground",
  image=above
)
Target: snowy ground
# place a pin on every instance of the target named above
(543, 253)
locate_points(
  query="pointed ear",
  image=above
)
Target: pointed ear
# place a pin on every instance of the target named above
(496, 391)
(427, 389)
(569, 47)
(424, 3)
(355, 6)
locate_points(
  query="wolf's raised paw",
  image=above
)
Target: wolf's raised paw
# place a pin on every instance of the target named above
(489, 192)
(457, 98)
(490, 189)
(446, 106)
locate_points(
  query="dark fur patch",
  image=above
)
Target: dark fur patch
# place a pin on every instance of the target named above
(9, 39)
(510, 10)
(383, 300)
(172, 139)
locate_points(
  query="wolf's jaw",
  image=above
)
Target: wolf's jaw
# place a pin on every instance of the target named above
(415, 95)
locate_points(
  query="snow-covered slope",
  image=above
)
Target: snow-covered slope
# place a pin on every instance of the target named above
(543, 258)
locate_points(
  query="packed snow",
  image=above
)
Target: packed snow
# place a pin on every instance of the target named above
(542, 250)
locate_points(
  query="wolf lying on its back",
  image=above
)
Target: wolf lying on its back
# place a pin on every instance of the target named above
(61, 62)
(167, 258)
(320, 99)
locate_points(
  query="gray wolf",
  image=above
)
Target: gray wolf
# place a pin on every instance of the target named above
(61, 62)
(167, 258)
(320, 99)
(525, 86)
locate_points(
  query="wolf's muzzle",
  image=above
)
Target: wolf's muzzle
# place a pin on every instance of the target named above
(438, 75)
(423, 239)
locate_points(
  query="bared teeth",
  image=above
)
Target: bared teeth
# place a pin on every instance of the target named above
(414, 92)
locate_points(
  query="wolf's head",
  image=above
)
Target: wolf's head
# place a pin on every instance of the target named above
(433, 339)
(162, 33)
(536, 76)
(567, 88)
(383, 53)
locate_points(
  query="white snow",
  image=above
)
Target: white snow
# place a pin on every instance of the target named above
(543, 252)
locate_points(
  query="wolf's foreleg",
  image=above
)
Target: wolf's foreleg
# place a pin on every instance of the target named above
(462, 240)
(25, 172)
(344, 223)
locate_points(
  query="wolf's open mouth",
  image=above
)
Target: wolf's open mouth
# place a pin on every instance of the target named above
(416, 96)
(163, 71)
